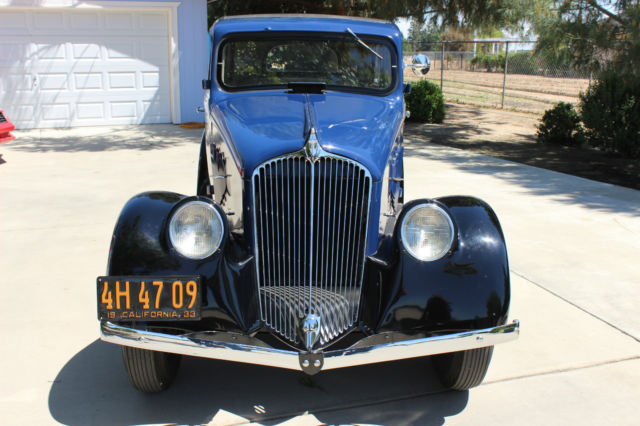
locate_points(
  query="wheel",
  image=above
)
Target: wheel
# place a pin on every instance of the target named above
(463, 370)
(150, 371)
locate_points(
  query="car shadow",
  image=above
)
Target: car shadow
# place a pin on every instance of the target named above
(93, 388)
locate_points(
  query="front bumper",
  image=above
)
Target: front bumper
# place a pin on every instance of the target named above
(309, 362)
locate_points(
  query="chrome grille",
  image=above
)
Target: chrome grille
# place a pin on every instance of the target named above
(310, 221)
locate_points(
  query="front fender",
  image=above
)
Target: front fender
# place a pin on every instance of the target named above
(140, 246)
(466, 289)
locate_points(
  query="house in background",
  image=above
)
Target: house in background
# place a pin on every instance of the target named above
(66, 63)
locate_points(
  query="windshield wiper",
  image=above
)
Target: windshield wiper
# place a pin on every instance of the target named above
(363, 43)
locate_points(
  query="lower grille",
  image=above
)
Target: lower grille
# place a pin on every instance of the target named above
(310, 219)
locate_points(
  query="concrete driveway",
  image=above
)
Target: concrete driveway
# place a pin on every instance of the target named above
(574, 252)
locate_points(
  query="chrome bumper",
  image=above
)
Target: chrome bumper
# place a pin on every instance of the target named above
(293, 360)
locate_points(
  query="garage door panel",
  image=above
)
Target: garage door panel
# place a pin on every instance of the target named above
(157, 108)
(123, 109)
(23, 116)
(88, 81)
(66, 68)
(47, 21)
(150, 80)
(154, 53)
(122, 80)
(57, 112)
(50, 51)
(85, 21)
(53, 81)
(15, 53)
(153, 22)
(120, 50)
(85, 51)
(15, 83)
(12, 21)
(119, 21)
(90, 110)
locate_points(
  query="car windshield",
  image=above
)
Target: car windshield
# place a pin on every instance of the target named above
(340, 63)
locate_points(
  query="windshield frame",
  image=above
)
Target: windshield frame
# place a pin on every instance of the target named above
(308, 35)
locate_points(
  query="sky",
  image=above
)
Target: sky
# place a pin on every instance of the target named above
(403, 24)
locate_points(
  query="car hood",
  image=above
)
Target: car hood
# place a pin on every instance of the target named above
(263, 125)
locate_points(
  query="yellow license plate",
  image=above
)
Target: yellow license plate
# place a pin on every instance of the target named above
(126, 298)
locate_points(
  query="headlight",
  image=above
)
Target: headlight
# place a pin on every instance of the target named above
(196, 229)
(427, 232)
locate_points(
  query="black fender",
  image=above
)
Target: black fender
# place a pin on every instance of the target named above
(140, 246)
(467, 289)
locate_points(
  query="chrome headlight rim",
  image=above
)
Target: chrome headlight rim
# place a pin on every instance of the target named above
(438, 206)
(209, 203)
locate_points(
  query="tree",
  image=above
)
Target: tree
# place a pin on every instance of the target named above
(453, 34)
(478, 13)
(592, 35)
(422, 38)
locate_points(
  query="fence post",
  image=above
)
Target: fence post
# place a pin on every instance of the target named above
(504, 81)
(442, 68)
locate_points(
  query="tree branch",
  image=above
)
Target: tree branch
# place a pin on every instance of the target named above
(604, 11)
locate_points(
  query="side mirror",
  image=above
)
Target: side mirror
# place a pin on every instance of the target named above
(407, 88)
(206, 84)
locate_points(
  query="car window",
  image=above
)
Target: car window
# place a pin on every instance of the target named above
(340, 63)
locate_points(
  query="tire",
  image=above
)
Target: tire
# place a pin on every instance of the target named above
(150, 371)
(463, 370)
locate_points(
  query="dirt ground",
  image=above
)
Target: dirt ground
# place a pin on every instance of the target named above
(511, 136)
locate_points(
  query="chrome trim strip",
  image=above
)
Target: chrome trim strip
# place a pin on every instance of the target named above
(263, 355)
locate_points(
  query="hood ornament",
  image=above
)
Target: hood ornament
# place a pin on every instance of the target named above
(310, 328)
(312, 149)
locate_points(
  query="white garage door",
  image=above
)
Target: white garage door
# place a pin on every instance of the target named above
(61, 68)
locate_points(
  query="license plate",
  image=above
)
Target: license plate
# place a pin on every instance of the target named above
(149, 298)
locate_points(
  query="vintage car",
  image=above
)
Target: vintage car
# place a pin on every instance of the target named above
(298, 250)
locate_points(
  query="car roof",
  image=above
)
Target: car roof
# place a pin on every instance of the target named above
(306, 23)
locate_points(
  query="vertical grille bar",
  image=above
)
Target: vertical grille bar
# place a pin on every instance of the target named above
(310, 222)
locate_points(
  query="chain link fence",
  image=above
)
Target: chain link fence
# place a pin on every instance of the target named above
(497, 74)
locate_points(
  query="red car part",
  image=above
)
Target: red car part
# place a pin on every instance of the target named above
(5, 127)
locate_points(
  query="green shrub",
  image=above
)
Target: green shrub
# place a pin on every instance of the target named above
(611, 113)
(476, 60)
(561, 125)
(425, 102)
(522, 63)
(490, 62)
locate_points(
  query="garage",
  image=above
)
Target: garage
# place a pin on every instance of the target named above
(95, 63)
